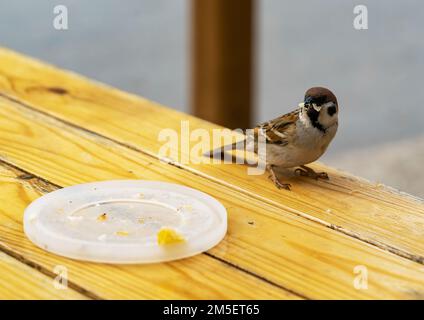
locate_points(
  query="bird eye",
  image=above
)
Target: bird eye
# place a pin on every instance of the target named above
(331, 110)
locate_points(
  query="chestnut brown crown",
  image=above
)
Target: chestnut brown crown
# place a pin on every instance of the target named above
(319, 96)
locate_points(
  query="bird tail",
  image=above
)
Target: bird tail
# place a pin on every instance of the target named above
(219, 152)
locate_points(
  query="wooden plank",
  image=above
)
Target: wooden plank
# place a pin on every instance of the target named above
(19, 281)
(222, 61)
(201, 277)
(290, 251)
(366, 211)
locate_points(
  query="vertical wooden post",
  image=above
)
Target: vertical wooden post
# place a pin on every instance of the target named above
(222, 44)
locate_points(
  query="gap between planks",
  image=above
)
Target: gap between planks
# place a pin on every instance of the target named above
(60, 129)
(381, 245)
(41, 183)
(74, 286)
(25, 175)
(18, 281)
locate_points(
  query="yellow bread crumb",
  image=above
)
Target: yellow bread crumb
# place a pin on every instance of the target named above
(102, 217)
(169, 236)
(122, 233)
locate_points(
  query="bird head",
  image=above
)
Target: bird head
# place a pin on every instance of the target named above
(321, 106)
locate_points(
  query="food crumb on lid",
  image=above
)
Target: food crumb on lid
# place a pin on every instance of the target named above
(122, 233)
(102, 217)
(169, 236)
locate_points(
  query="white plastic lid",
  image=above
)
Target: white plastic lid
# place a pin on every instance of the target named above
(119, 221)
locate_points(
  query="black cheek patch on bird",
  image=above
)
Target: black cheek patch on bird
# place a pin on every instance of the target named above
(313, 116)
(332, 110)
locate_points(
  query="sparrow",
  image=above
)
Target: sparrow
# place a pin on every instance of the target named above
(296, 138)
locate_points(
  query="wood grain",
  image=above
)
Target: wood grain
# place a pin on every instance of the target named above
(201, 277)
(265, 240)
(19, 281)
(367, 211)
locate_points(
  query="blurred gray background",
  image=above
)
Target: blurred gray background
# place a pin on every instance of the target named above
(142, 46)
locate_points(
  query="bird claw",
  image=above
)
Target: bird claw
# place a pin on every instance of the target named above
(312, 174)
(279, 184)
(301, 172)
(323, 175)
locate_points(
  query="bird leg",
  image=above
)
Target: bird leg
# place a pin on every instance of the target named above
(274, 179)
(308, 172)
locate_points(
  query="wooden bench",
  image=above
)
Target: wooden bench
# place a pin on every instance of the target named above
(59, 129)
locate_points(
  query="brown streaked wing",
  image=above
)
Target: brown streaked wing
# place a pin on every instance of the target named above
(279, 130)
